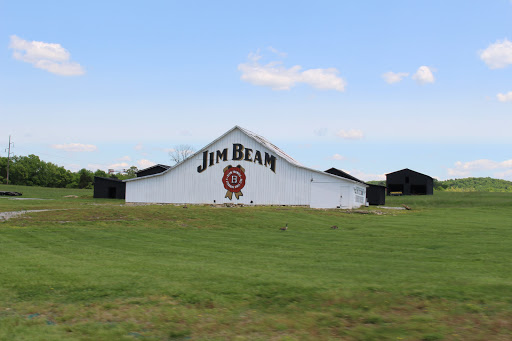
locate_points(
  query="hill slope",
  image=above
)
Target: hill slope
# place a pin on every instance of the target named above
(474, 185)
(466, 185)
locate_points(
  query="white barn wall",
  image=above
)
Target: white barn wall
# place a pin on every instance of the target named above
(288, 185)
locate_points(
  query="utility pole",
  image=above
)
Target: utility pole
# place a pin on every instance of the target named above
(8, 150)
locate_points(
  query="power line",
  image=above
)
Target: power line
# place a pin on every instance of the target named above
(8, 150)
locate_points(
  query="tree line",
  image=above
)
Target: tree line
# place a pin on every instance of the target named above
(32, 171)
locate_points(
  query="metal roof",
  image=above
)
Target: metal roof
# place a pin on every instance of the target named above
(154, 166)
(270, 146)
(343, 174)
(407, 169)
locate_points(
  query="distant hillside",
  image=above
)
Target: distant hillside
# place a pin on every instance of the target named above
(474, 185)
(466, 185)
(377, 182)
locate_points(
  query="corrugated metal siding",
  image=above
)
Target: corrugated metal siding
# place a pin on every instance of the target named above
(289, 185)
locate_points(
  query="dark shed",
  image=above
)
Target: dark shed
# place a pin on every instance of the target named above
(409, 182)
(375, 194)
(109, 188)
(152, 170)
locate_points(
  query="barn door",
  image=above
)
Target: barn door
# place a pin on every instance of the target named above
(325, 195)
(345, 195)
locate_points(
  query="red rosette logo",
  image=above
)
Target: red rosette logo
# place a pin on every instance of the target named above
(234, 181)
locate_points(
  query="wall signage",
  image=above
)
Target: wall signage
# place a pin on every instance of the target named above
(239, 153)
(360, 195)
(234, 180)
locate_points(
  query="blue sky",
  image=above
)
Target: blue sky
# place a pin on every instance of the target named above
(368, 87)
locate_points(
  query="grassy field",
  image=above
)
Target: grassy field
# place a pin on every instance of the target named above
(95, 269)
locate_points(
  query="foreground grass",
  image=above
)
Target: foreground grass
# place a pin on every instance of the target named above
(101, 271)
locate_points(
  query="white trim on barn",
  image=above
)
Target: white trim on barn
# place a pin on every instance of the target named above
(241, 167)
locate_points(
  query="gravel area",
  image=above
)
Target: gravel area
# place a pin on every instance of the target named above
(8, 215)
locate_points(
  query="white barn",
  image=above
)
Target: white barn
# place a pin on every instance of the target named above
(241, 167)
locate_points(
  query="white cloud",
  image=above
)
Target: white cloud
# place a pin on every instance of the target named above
(50, 57)
(457, 172)
(498, 55)
(337, 157)
(424, 75)
(142, 164)
(505, 97)
(139, 146)
(118, 166)
(278, 77)
(504, 175)
(394, 77)
(76, 147)
(324, 79)
(125, 158)
(352, 134)
(366, 176)
(465, 169)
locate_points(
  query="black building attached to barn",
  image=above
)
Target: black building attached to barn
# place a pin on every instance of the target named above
(112, 188)
(409, 182)
(109, 188)
(375, 194)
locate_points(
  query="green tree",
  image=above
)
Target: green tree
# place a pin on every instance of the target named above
(101, 173)
(130, 173)
(85, 178)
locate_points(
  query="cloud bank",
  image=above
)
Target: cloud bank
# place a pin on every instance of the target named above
(46, 56)
(464, 169)
(278, 77)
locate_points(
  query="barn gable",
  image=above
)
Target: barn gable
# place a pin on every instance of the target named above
(409, 182)
(244, 168)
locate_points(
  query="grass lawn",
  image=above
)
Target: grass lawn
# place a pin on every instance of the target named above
(95, 269)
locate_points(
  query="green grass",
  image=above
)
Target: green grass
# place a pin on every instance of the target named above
(98, 270)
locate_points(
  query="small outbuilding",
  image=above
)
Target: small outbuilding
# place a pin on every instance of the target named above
(409, 182)
(375, 194)
(109, 188)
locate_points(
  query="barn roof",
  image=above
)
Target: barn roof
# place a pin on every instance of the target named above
(154, 166)
(107, 179)
(343, 174)
(269, 145)
(410, 170)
